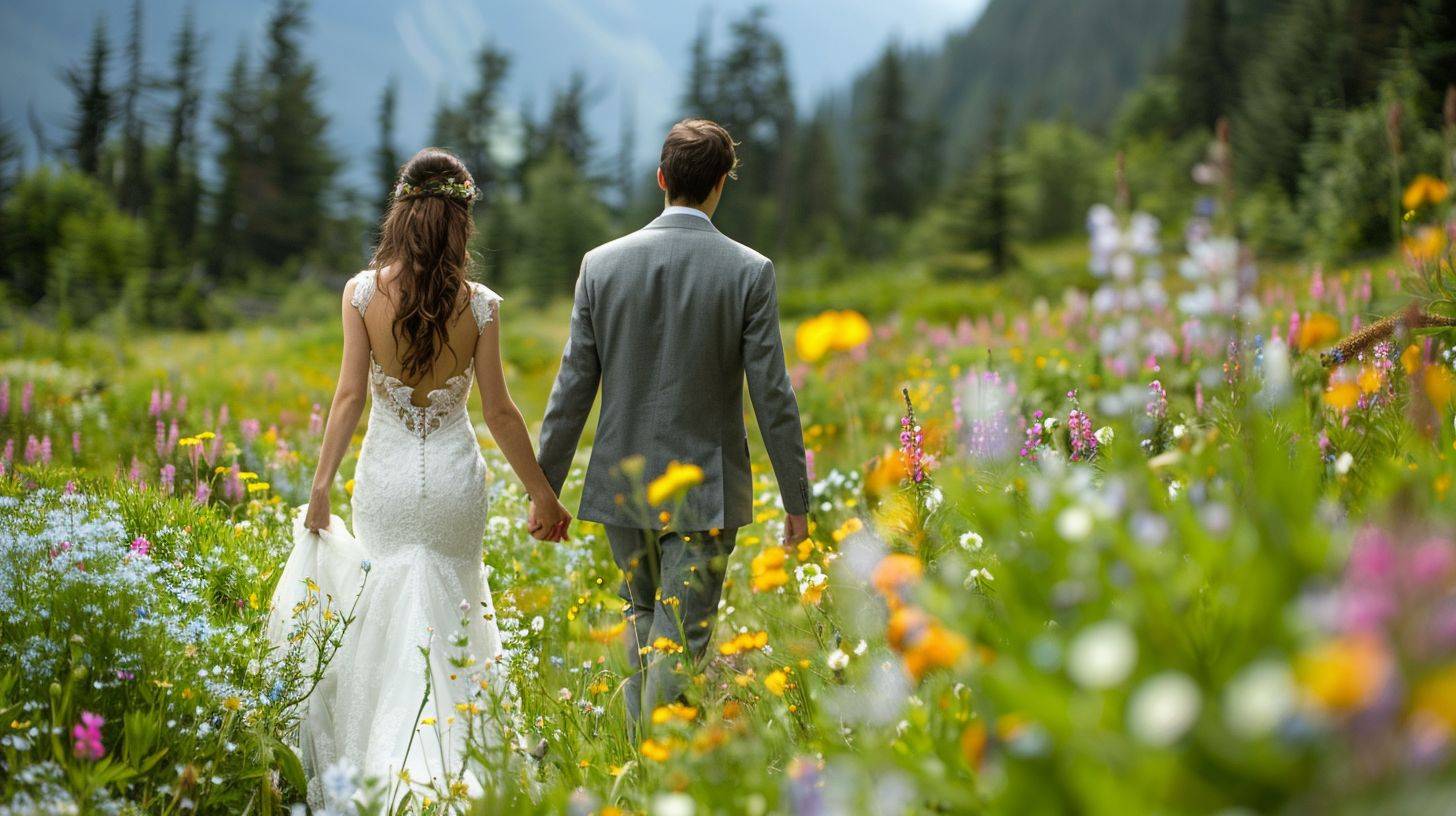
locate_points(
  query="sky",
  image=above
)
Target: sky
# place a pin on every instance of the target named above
(634, 52)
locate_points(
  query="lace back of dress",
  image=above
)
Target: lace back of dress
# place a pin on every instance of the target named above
(397, 397)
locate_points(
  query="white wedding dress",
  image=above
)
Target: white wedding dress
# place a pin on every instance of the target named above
(419, 513)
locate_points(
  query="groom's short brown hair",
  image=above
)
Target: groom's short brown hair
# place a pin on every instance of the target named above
(696, 153)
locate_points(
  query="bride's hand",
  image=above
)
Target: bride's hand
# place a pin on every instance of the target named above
(548, 519)
(317, 517)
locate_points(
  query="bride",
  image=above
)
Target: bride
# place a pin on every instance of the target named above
(414, 669)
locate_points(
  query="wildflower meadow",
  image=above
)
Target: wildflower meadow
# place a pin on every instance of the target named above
(1123, 335)
(1178, 542)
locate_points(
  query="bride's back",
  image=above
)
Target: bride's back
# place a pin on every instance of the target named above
(451, 358)
(419, 319)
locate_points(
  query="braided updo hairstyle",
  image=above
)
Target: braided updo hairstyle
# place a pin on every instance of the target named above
(425, 238)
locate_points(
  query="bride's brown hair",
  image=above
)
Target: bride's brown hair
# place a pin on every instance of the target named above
(425, 238)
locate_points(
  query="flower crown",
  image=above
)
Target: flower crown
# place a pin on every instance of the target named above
(442, 188)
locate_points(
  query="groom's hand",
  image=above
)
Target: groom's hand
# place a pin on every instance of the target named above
(796, 529)
(547, 521)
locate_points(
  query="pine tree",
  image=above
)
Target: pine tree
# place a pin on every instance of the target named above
(134, 188)
(1288, 83)
(1430, 36)
(296, 161)
(9, 175)
(988, 214)
(180, 184)
(469, 129)
(561, 218)
(625, 171)
(9, 163)
(817, 207)
(754, 100)
(95, 103)
(236, 122)
(1202, 67)
(565, 128)
(888, 142)
(386, 154)
(698, 97)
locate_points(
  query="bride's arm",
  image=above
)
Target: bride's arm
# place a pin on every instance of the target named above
(344, 412)
(508, 428)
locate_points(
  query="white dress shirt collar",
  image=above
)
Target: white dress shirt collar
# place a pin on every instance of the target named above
(676, 210)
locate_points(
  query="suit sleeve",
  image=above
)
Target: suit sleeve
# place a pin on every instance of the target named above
(773, 398)
(574, 392)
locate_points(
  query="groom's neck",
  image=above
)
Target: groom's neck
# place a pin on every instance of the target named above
(705, 207)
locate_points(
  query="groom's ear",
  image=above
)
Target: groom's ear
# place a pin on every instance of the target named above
(661, 179)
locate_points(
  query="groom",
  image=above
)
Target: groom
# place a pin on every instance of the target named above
(669, 320)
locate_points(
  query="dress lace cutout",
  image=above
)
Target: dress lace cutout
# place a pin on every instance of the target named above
(397, 397)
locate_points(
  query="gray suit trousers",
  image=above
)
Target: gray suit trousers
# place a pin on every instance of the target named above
(671, 583)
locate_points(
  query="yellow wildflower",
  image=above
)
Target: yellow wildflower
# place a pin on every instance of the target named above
(657, 750)
(1369, 380)
(667, 645)
(609, 634)
(767, 569)
(1426, 244)
(1342, 396)
(1435, 697)
(776, 682)
(673, 711)
(1439, 386)
(1344, 675)
(1317, 330)
(830, 331)
(850, 526)
(744, 642)
(673, 483)
(1424, 190)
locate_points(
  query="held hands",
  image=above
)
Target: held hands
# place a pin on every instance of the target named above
(796, 529)
(548, 519)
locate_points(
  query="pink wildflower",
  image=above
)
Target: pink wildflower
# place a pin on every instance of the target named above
(87, 736)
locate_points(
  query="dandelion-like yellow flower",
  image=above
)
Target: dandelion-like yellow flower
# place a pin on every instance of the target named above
(1439, 385)
(923, 642)
(1317, 330)
(1342, 396)
(851, 525)
(673, 483)
(609, 634)
(831, 331)
(776, 682)
(767, 569)
(1425, 245)
(674, 711)
(667, 645)
(1424, 190)
(257, 487)
(744, 642)
(657, 750)
(1344, 675)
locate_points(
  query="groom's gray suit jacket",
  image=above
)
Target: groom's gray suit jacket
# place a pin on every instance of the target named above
(669, 320)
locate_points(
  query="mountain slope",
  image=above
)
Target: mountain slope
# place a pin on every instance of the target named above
(1045, 58)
